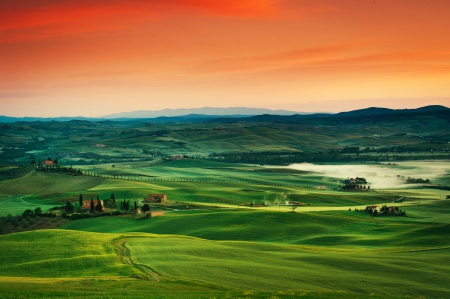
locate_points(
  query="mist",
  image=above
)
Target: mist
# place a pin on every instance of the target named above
(381, 176)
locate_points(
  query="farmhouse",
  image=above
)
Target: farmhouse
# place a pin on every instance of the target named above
(48, 162)
(87, 204)
(156, 198)
(321, 187)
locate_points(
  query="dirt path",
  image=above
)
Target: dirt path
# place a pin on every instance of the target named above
(124, 255)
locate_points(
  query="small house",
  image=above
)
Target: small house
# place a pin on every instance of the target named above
(87, 204)
(48, 162)
(156, 198)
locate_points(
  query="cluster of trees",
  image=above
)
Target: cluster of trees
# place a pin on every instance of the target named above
(22, 221)
(355, 187)
(385, 211)
(277, 158)
(126, 206)
(56, 167)
(410, 180)
(400, 149)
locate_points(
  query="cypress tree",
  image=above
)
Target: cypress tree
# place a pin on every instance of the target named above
(99, 207)
(92, 205)
(69, 207)
(81, 200)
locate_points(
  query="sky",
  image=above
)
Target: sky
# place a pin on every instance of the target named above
(97, 57)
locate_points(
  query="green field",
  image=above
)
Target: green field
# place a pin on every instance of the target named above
(207, 245)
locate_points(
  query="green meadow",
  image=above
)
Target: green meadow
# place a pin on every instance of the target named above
(209, 245)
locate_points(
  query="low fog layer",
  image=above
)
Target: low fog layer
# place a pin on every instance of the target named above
(381, 175)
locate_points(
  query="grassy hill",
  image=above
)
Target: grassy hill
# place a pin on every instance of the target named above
(48, 183)
(58, 254)
(332, 228)
(256, 266)
(75, 264)
(208, 246)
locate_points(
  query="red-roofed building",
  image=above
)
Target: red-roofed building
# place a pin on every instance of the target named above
(156, 198)
(48, 163)
(87, 204)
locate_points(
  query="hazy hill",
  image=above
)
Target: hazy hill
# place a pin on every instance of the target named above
(232, 111)
(377, 110)
(232, 114)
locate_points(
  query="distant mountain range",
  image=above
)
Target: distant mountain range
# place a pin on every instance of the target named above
(199, 112)
(224, 114)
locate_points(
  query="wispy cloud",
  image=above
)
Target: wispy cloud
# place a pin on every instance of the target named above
(106, 74)
(267, 62)
(13, 95)
(330, 57)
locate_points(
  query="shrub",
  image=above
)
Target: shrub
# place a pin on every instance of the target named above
(15, 222)
(27, 213)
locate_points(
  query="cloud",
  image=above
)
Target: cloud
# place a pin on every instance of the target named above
(285, 59)
(106, 74)
(343, 57)
(13, 95)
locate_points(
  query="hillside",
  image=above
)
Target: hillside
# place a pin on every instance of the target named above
(315, 139)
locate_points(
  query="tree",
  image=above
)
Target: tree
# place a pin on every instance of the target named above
(112, 205)
(112, 197)
(135, 205)
(27, 213)
(69, 207)
(92, 206)
(145, 208)
(38, 211)
(121, 205)
(80, 200)
(99, 206)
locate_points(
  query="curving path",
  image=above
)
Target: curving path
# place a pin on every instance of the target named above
(124, 255)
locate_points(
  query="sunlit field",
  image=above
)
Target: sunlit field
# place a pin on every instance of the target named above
(230, 230)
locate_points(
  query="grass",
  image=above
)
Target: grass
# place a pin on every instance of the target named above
(211, 252)
(101, 289)
(76, 264)
(48, 183)
(59, 254)
(336, 228)
(16, 205)
(267, 267)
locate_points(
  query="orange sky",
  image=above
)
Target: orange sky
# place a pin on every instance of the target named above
(92, 58)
